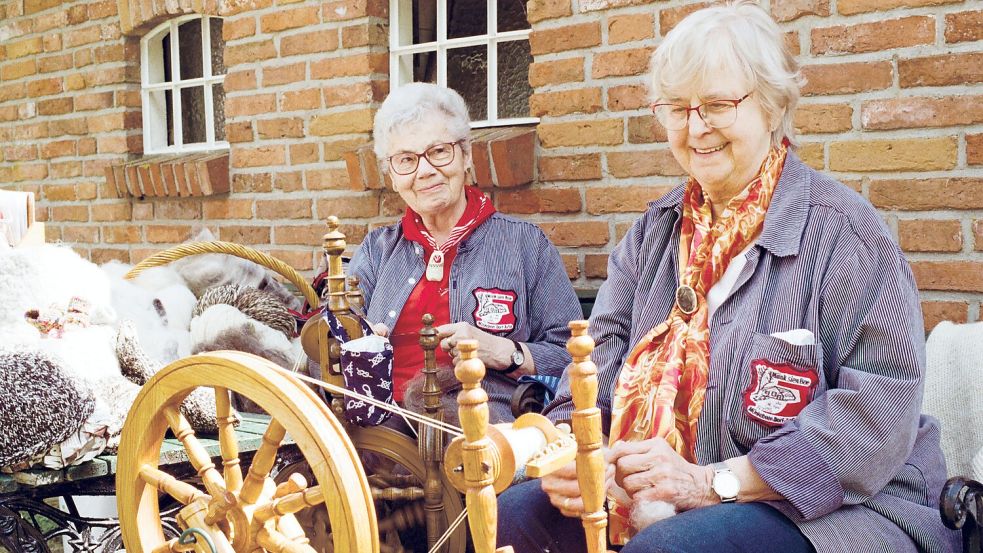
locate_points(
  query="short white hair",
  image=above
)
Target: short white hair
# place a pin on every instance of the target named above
(416, 102)
(741, 37)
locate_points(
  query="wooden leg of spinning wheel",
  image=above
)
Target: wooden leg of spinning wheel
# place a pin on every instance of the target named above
(479, 473)
(586, 421)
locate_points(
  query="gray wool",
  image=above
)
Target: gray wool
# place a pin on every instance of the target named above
(41, 404)
(259, 305)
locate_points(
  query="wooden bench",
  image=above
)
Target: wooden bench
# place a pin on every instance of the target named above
(28, 522)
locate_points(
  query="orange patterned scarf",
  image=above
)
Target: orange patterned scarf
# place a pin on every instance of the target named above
(661, 387)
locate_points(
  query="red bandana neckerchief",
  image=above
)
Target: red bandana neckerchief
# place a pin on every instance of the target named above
(661, 387)
(479, 209)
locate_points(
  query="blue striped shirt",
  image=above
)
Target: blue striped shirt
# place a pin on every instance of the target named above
(503, 253)
(860, 468)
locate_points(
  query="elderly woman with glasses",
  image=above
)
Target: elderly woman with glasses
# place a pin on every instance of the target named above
(481, 274)
(759, 339)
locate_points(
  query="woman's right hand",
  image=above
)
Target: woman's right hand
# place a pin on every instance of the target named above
(564, 491)
(380, 329)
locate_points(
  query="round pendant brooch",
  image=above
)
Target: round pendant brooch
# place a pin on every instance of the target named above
(686, 299)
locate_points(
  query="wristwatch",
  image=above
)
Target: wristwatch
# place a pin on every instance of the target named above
(518, 358)
(725, 483)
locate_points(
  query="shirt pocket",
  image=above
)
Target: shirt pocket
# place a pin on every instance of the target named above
(769, 385)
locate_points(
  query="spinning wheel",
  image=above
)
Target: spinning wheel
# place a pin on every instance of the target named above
(241, 512)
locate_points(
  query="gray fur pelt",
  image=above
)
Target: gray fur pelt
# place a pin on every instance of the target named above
(41, 404)
(260, 305)
(199, 407)
(202, 272)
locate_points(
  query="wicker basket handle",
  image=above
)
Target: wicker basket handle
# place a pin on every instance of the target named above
(229, 248)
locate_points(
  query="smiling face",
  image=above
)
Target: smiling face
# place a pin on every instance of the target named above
(436, 193)
(724, 160)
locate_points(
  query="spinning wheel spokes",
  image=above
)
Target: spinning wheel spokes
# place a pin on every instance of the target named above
(241, 514)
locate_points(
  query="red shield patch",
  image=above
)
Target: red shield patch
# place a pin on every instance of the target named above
(778, 391)
(496, 309)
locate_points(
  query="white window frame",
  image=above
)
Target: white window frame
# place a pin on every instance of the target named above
(401, 60)
(151, 80)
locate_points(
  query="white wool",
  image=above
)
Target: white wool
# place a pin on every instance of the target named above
(88, 352)
(37, 277)
(161, 318)
(645, 513)
(207, 328)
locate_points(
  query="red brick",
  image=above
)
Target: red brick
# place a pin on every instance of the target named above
(80, 234)
(366, 34)
(226, 208)
(60, 193)
(559, 39)
(303, 235)
(514, 158)
(670, 17)
(645, 129)
(577, 233)
(301, 154)
(847, 78)
(934, 312)
(540, 10)
(974, 149)
(248, 235)
(121, 234)
(850, 7)
(118, 211)
(572, 265)
(643, 163)
(621, 63)
(326, 179)
(60, 148)
(978, 235)
(65, 213)
(627, 97)
(964, 26)
(262, 156)
(309, 43)
(871, 37)
(338, 123)
(21, 48)
(583, 100)
(823, 118)
(596, 265)
(544, 73)
(893, 155)
(351, 206)
(240, 131)
(927, 194)
(622, 199)
(943, 70)
(792, 43)
(352, 9)
(21, 152)
(97, 100)
(236, 28)
(581, 133)
(284, 74)
(292, 181)
(213, 170)
(244, 79)
(250, 105)
(630, 28)
(930, 235)
(953, 276)
(351, 93)
(306, 99)
(252, 182)
(16, 70)
(292, 18)
(249, 52)
(283, 209)
(391, 205)
(905, 113)
(280, 128)
(789, 10)
(358, 65)
(542, 200)
(570, 168)
(300, 260)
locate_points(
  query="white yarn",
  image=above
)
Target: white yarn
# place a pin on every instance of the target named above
(954, 394)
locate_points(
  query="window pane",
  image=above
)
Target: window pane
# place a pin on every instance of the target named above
(218, 46)
(218, 111)
(512, 15)
(159, 110)
(165, 45)
(424, 21)
(513, 79)
(189, 46)
(418, 68)
(193, 114)
(467, 73)
(169, 102)
(467, 18)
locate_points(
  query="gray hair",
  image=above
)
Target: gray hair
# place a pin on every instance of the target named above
(415, 102)
(741, 37)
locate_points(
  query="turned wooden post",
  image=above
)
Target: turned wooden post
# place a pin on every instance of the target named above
(472, 402)
(334, 247)
(432, 439)
(356, 302)
(586, 421)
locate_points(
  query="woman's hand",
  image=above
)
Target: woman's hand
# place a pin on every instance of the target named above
(380, 329)
(651, 470)
(564, 491)
(494, 351)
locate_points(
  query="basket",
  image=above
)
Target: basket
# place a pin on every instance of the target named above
(229, 248)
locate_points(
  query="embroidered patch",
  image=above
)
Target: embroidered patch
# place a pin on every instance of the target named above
(778, 391)
(496, 309)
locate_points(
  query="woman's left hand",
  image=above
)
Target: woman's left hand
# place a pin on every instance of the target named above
(494, 351)
(651, 470)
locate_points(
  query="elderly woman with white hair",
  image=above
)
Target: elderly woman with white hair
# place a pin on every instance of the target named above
(759, 339)
(481, 274)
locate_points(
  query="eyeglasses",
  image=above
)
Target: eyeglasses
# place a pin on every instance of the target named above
(438, 155)
(717, 114)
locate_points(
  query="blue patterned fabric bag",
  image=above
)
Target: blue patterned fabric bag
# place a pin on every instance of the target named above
(367, 367)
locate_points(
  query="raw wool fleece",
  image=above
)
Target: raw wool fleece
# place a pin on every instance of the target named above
(953, 392)
(260, 305)
(222, 326)
(41, 404)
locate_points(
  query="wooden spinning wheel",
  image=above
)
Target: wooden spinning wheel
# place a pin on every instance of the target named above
(240, 509)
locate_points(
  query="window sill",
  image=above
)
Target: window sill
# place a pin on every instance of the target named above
(504, 157)
(171, 176)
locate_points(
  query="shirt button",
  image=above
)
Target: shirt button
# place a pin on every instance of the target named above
(392, 314)
(411, 280)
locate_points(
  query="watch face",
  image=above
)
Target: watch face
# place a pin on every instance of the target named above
(726, 485)
(517, 357)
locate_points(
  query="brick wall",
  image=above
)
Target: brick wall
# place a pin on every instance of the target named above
(894, 108)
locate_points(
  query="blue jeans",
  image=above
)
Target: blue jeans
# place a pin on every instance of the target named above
(529, 523)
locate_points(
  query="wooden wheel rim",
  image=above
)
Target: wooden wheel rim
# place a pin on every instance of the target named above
(405, 451)
(318, 434)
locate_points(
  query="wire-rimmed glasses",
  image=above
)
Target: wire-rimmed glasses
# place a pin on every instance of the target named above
(438, 155)
(717, 114)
